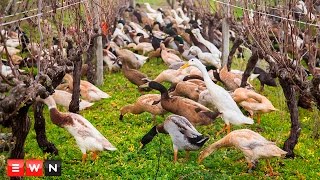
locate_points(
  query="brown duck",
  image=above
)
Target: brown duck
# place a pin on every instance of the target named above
(196, 113)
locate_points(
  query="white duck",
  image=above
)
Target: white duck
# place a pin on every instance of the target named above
(63, 98)
(208, 59)
(88, 138)
(13, 43)
(178, 19)
(222, 100)
(149, 8)
(212, 48)
(118, 32)
(184, 17)
(5, 70)
(141, 59)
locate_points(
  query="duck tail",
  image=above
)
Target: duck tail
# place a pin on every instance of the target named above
(247, 120)
(84, 104)
(108, 146)
(199, 140)
(103, 94)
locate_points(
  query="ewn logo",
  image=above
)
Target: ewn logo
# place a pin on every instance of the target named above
(15, 167)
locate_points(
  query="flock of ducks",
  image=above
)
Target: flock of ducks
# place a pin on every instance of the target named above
(194, 97)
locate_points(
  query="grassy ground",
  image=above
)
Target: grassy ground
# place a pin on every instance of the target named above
(129, 162)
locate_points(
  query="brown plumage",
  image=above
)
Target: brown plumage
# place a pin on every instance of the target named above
(252, 102)
(134, 76)
(252, 144)
(188, 89)
(196, 113)
(144, 104)
(230, 80)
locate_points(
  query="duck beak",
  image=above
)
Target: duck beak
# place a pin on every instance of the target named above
(141, 145)
(185, 66)
(146, 85)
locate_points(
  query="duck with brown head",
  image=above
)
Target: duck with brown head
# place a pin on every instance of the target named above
(196, 113)
(88, 138)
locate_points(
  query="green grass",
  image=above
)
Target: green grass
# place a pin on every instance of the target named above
(129, 162)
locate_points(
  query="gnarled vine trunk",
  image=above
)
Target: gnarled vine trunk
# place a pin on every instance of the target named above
(290, 94)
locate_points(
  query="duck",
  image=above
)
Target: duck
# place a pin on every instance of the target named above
(118, 32)
(145, 47)
(157, 33)
(13, 42)
(252, 144)
(231, 80)
(64, 98)
(129, 57)
(170, 75)
(6, 70)
(187, 89)
(144, 104)
(185, 18)
(178, 19)
(111, 60)
(212, 48)
(87, 137)
(141, 59)
(183, 134)
(196, 42)
(11, 50)
(168, 58)
(149, 8)
(135, 76)
(88, 91)
(252, 102)
(208, 59)
(221, 99)
(196, 113)
(264, 78)
(138, 29)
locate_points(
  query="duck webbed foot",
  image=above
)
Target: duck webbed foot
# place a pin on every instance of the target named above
(271, 173)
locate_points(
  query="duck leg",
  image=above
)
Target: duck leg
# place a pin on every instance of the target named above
(187, 155)
(175, 155)
(84, 157)
(250, 166)
(95, 155)
(222, 130)
(228, 128)
(259, 118)
(271, 173)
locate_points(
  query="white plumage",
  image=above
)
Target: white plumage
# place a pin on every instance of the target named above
(221, 98)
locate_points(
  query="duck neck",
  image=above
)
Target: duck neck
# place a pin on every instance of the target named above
(205, 74)
(56, 116)
(161, 88)
(224, 142)
(128, 109)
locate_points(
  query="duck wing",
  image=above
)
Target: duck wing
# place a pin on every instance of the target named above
(189, 131)
(85, 128)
